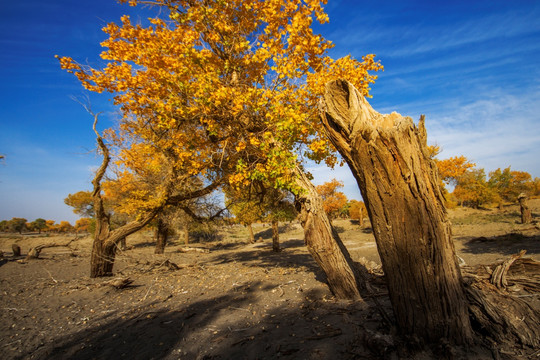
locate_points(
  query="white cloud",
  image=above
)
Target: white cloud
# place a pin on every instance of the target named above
(497, 130)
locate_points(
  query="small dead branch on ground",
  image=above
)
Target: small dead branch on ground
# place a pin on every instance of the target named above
(188, 249)
(119, 283)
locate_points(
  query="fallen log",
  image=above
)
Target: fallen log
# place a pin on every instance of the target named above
(34, 252)
(188, 249)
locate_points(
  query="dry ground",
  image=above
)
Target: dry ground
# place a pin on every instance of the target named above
(238, 301)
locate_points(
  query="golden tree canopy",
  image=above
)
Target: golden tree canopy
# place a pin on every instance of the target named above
(215, 86)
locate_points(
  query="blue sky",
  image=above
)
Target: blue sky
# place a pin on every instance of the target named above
(472, 67)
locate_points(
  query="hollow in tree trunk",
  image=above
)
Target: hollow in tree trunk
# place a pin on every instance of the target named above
(399, 184)
(526, 216)
(162, 234)
(275, 236)
(344, 278)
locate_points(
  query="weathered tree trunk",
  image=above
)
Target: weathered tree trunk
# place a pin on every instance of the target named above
(106, 242)
(162, 234)
(399, 183)
(526, 216)
(324, 244)
(275, 236)
(16, 249)
(251, 235)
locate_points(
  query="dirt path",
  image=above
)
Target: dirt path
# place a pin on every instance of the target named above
(238, 301)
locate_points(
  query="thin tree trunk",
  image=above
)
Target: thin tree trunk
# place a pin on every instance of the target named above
(251, 235)
(162, 234)
(275, 236)
(123, 245)
(399, 183)
(186, 234)
(324, 244)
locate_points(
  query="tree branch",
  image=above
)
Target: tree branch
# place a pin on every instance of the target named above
(177, 199)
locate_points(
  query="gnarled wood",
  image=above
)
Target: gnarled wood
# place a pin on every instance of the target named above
(526, 216)
(324, 244)
(498, 278)
(399, 184)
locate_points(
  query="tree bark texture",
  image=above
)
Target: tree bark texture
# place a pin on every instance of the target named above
(526, 216)
(162, 234)
(275, 236)
(399, 184)
(344, 278)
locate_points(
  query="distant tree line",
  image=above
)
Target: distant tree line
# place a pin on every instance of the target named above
(20, 225)
(472, 188)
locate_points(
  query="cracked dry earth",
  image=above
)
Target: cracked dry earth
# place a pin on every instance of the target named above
(236, 301)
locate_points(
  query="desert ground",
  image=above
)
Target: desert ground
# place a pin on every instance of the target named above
(235, 300)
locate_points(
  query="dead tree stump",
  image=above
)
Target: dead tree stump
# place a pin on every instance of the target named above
(16, 250)
(526, 216)
(399, 184)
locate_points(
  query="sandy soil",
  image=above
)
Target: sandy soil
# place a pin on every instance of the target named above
(237, 301)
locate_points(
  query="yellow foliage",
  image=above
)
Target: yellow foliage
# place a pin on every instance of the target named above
(217, 86)
(333, 201)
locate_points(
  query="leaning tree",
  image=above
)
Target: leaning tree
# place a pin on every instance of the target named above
(399, 182)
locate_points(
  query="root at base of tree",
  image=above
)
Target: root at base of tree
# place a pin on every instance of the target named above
(505, 318)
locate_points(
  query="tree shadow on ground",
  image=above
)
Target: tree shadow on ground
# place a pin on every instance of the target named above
(224, 327)
(265, 257)
(267, 234)
(506, 244)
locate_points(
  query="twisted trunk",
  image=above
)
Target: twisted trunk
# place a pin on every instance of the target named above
(106, 241)
(399, 183)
